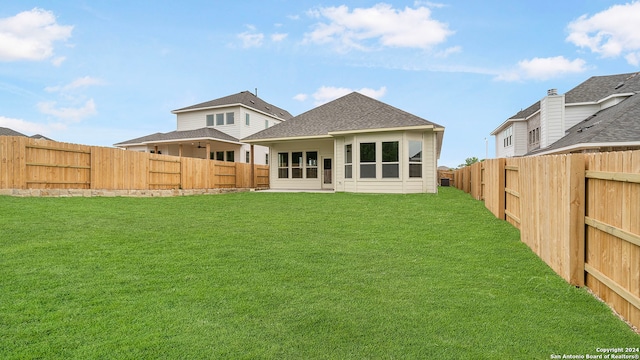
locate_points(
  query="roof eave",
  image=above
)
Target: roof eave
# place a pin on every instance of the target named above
(586, 146)
(508, 122)
(399, 128)
(189, 139)
(180, 111)
(292, 138)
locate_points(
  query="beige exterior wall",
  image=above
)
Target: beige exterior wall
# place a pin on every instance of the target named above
(551, 119)
(335, 149)
(324, 149)
(239, 129)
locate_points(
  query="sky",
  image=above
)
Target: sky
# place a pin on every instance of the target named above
(100, 72)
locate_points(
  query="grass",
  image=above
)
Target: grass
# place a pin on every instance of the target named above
(268, 275)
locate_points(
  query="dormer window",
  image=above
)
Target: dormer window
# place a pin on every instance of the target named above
(219, 119)
(210, 120)
(230, 118)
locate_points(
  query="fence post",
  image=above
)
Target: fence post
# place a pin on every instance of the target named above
(502, 185)
(577, 200)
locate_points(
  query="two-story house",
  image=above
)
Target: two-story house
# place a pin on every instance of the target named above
(213, 129)
(600, 114)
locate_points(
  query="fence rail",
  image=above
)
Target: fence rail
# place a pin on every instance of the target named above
(27, 163)
(580, 213)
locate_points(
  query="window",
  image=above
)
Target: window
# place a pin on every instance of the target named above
(220, 155)
(348, 161)
(296, 165)
(266, 159)
(508, 136)
(283, 165)
(312, 164)
(219, 119)
(368, 160)
(247, 119)
(209, 120)
(247, 157)
(266, 124)
(390, 160)
(212, 155)
(230, 118)
(230, 156)
(415, 159)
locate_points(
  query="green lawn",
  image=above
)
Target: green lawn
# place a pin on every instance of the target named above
(283, 275)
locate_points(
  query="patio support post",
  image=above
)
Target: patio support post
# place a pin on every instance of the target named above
(253, 169)
(180, 151)
(207, 155)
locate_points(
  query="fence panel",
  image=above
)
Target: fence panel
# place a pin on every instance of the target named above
(51, 165)
(613, 231)
(475, 183)
(512, 191)
(27, 163)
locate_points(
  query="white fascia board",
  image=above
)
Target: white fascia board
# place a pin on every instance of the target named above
(292, 138)
(506, 123)
(401, 128)
(585, 146)
(601, 100)
(178, 141)
(227, 106)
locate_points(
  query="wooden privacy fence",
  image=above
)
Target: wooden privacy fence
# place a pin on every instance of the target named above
(27, 163)
(580, 213)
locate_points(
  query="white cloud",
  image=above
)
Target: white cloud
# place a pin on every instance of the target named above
(328, 93)
(251, 38)
(633, 58)
(68, 114)
(408, 28)
(611, 33)
(25, 127)
(446, 52)
(30, 35)
(543, 69)
(278, 37)
(301, 97)
(75, 84)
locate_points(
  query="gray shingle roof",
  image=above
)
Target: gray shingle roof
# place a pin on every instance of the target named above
(351, 112)
(599, 87)
(593, 89)
(9, 132)
(620, 123)
(203, 133)
(523, 114)
(245, 98)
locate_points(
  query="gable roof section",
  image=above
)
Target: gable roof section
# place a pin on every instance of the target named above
(174, 136)
(522, 115)
(244, 98)
(352, 112)
(599, 87)
(9, 132)
(615, 125)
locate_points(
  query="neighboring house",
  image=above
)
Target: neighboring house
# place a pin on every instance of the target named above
(601, 114)
(354, 144)
(9, 132)
(213, 129)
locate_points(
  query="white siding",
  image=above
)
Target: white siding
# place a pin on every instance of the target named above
(324, 149)
(551, 119)
(404, 184)
(198, 119)
(191, 120)
(501, 150)
(256, 122)
(520, 138)
(575, 114)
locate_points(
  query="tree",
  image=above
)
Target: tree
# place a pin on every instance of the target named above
(468, 161)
